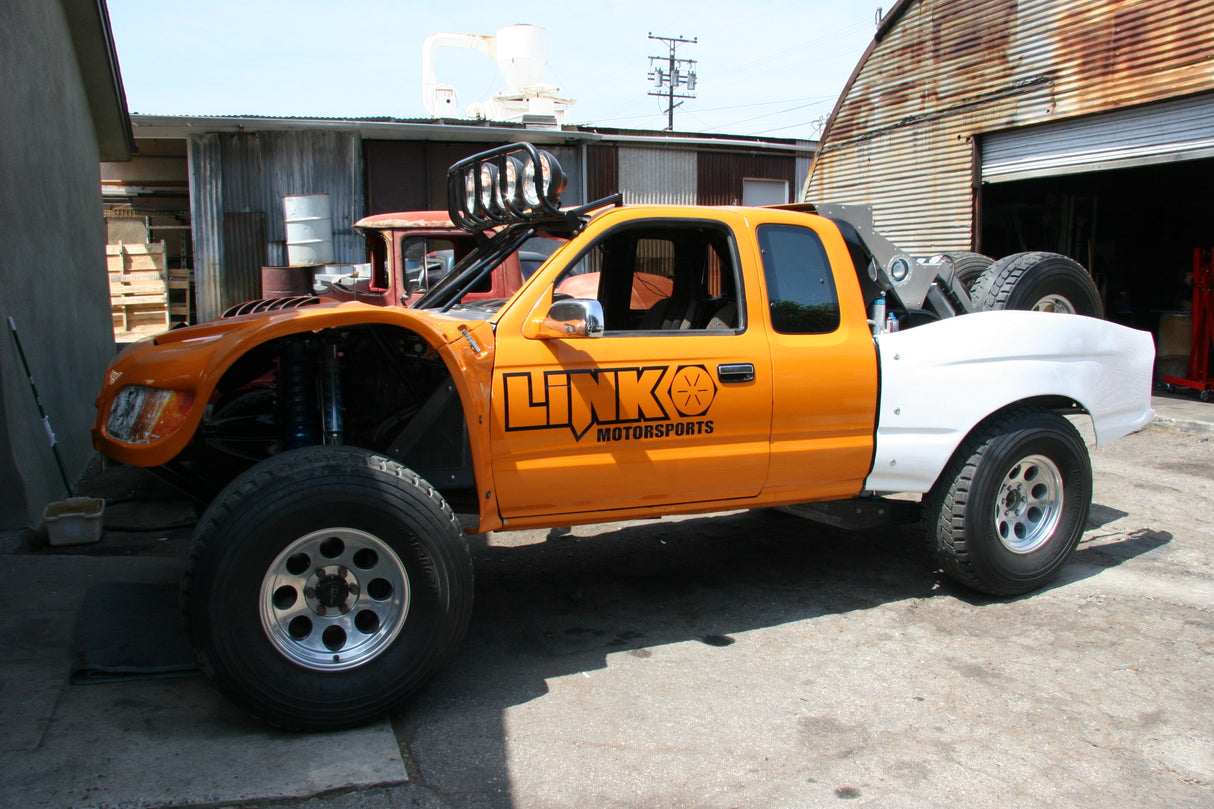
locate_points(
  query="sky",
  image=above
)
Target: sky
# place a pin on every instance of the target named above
(764, 67)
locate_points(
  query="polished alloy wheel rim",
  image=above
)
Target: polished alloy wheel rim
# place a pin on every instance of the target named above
(334, 599)
(1029, 505)
(1055, 303)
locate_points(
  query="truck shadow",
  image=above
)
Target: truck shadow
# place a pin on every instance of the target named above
(553, 604)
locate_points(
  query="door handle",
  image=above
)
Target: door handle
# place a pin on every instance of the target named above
(736, 372)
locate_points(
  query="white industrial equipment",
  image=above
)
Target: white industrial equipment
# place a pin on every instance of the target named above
(521, 53)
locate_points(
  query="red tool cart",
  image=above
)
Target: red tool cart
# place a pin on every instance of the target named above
(1203, 327)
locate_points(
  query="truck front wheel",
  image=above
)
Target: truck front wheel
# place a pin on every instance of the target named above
(324, 586)
(1010, 508)
(1040, 282)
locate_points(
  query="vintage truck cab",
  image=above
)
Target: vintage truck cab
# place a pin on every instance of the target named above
(663, 360)
(409, 252)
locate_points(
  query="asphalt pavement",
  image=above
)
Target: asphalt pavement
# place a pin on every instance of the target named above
(741, 660)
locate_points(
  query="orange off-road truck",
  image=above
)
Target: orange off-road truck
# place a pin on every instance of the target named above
(663, 360)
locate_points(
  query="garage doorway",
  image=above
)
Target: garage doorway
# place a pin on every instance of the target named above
(1134, 228)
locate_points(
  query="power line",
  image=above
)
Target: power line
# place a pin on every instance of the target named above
(670, 74)
(774, 114)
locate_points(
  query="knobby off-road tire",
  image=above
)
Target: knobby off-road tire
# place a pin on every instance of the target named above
(324, 586)
(1041, 282)
(1009, 509)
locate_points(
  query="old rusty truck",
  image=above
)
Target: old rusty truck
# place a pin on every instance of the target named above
(664, 360)
(411, 251)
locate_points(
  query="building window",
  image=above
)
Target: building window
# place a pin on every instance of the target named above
(764, 192)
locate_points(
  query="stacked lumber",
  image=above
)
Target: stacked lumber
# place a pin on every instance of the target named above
(179, 295)
(139, 289)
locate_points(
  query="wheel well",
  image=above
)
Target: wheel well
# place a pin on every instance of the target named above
(378, 387)
(1062, 405)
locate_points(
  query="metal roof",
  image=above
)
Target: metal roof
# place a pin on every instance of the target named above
(182, 126)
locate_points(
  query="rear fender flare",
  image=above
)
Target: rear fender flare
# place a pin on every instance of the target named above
(940, 380)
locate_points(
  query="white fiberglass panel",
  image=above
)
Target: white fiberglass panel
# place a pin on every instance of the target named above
(940, 380)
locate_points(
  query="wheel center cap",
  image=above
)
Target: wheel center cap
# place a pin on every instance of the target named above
(1014, 501)
(332, 591)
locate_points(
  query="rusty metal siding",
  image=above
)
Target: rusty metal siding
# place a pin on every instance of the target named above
(942, 72)
(412, 175)
(570, 158)
(602, 171)
(250, 173)
(395, 176)
(720, 174)
(206, 206)
(657, 176)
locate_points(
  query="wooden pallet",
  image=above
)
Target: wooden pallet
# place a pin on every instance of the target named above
(139, 289)
(179, 295)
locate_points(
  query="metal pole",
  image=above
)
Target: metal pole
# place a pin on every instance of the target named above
(46, 422)
(670, 96)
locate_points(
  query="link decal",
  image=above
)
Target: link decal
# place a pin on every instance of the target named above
(650, 400)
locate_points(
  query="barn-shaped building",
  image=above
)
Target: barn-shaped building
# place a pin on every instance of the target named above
(1064, 125)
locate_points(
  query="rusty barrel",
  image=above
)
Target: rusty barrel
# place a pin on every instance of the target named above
(285, 282)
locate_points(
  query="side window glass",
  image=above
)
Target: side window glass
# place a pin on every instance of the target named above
(534, 252)
(582, 279)
(663, 276)
(799, 281)
(653, 280)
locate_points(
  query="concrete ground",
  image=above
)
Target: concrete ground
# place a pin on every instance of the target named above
(740, 660)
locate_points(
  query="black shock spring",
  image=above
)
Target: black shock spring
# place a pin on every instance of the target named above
(297, 397)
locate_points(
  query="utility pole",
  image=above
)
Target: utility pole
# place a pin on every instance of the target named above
(670, 74)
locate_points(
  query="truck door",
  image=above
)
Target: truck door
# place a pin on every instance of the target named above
(824, 362)
(672, 405)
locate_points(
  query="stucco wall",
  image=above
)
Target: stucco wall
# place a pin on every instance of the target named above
(53, 279)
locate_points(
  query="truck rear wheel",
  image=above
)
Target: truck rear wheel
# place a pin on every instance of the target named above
(325, 585)
(1040, 282)
(1010, 508)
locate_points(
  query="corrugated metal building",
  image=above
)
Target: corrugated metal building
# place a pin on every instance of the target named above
(240, 168)
(1007, 125)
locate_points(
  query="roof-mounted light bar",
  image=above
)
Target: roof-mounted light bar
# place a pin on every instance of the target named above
(513, 183)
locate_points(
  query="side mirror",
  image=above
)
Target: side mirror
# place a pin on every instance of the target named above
(572, 318)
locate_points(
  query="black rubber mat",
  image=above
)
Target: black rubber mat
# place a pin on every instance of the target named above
(130, 630)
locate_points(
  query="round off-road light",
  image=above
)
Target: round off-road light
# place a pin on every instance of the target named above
(490, 197)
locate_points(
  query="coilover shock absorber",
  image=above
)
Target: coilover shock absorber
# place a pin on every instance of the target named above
(297, 394)
(330, 393)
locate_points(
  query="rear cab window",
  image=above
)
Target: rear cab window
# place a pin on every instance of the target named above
(800, 285)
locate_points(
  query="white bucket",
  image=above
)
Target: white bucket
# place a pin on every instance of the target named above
(74, 521)
(309, 229)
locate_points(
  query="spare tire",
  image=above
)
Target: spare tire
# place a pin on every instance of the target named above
(1040, 282)
(968, 266)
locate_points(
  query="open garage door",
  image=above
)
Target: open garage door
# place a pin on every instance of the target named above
(1153, 134)
(1129, 195)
